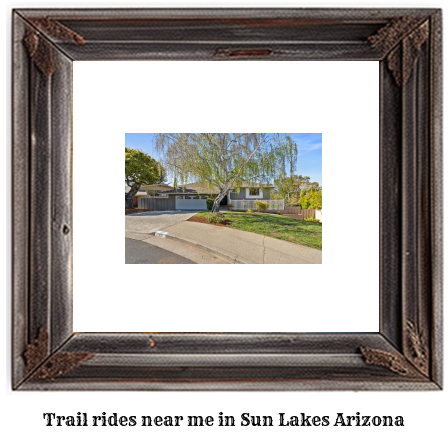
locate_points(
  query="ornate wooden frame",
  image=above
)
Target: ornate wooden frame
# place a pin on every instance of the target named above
(407, 352)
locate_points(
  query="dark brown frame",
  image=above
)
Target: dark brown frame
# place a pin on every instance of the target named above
(406, 354)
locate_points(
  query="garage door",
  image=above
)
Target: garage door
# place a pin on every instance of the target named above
(191, 204)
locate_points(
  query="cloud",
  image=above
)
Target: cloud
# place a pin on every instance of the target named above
(307, 142)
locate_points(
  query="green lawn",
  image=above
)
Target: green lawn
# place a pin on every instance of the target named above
(273, 225)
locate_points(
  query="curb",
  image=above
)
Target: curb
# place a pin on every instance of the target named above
(242, 260)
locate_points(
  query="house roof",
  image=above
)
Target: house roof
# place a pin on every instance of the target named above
(157, 186)
(206, 189)
(251, 185)
(181, 192)
(142, 191)
(199, 188)
(191, 188)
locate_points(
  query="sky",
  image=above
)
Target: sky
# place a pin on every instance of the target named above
(309, 159)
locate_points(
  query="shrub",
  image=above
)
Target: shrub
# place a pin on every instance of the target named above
(279, 212)
(250, 211)
(311, 219)
(229, 206)
(210, 202)
(311, 198)
(216, 218)
(261, 205)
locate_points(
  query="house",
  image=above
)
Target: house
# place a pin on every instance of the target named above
(156, 189)
(193, 196)
(143, 192)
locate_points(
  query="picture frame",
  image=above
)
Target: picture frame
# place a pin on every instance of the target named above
(406, 353)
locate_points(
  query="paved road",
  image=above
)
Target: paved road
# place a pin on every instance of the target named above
(140, 226)
(138, 252)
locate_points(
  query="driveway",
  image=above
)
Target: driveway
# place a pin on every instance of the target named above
(140, 226)
(138, 252)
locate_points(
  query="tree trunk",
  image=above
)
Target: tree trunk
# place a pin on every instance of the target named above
(218, 200)
(128, 202)
(129, 196)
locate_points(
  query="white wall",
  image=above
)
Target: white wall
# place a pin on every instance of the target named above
(306, 100)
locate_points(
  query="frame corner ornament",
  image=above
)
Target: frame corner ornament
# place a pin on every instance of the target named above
(40, 49)
(396, 363)
(41, 365)
(417, 348)
(37, 351)
(412, 363)
(402, 40)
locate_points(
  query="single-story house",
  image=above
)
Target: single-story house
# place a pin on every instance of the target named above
(193, 196)
(158, 189)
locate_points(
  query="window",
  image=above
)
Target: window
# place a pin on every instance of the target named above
(254, 191)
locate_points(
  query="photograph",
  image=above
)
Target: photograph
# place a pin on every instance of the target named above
(223, 198)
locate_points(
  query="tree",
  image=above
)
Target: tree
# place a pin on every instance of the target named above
(224, 161)
(284, 183)
(140, 169)
(289, 187)
(311, 198)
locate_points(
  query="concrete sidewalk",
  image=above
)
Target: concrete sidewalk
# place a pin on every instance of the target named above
(242, 246)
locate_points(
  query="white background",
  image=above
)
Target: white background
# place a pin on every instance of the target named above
(425, 413)
(340, 295)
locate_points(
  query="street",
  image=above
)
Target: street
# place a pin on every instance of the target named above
(138, 252)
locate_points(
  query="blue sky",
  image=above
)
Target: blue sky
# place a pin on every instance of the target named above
(309, 160)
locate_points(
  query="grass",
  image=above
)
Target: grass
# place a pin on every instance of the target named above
(277, 226)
